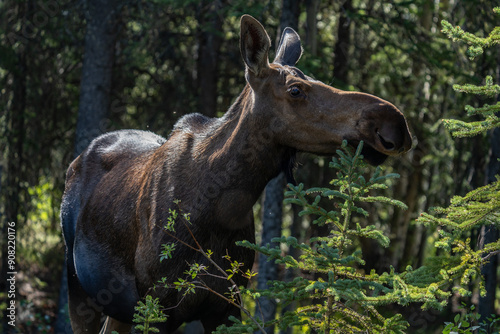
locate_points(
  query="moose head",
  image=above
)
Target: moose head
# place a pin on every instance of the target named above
(316, 117)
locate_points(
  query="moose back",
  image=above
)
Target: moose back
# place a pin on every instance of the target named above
(120, 189)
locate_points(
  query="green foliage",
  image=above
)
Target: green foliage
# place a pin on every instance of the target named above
(489, 113)
(467, 322)
(39, 238)
(342, 298)
(463, 322)
(490, 325)
(476, 47)
(167, 250)
(196, 273)
(479, 207)
(148, 313)
(476, 44)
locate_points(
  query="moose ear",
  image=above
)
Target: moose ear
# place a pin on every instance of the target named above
(254, 45)
(289, 49)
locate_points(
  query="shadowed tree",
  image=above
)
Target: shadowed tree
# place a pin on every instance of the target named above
(341, 52)
(95, 96)
(210, 21)
(312, 7)
(95, 87)
(289, 16)
(272, 214)
(273, 200)
(489, 234)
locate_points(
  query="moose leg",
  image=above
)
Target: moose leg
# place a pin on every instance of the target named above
(111, 325)
(210, 323)
(84, 314)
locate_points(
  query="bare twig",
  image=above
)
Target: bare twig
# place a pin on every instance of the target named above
(490, 255)
(204, 286)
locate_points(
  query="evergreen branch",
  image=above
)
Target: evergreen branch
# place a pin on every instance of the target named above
(469, 129)
(370, 232)
(464, 213)
(489, 89)
(485, 111)
(351, 297)
(476, 44)
(490, 254)
(383, 199)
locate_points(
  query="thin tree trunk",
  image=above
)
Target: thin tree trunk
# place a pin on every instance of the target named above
(95, 98)
(311, 26)
(490, 234)
(271, 228)
(289, 16)
(291, 273)
(341, 52)
(411, 241)
(95, 87)
(209, 44)
(273, 201)
(486, 307)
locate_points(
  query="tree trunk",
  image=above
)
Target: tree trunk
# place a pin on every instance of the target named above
(490, 234)
(274, 194)
(486, 307)
(95, 87)
(289, 17)
(311, 26)
(341, 52)
(411, 241)
(95, 98)
(290, 273)
(271, 228)
(209, 43)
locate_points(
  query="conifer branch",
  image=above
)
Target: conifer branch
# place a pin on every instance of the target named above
(350, 297)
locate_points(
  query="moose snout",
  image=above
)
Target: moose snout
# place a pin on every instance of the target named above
(381, 125)
(393, 135)
(388, 143)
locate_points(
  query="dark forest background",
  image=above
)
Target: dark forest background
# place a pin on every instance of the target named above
(71, 70)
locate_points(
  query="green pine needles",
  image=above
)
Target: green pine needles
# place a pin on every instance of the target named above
(489, 113)
(476, 47)
(479, 207)
(336, 295)
(461, 259)
(148, 313)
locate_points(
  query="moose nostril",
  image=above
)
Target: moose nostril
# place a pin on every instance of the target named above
(388, 145)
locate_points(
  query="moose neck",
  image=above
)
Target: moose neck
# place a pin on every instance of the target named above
(242, 156)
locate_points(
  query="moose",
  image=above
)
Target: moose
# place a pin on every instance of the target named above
(119, 191)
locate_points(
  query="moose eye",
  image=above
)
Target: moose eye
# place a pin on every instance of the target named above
(295, 91)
